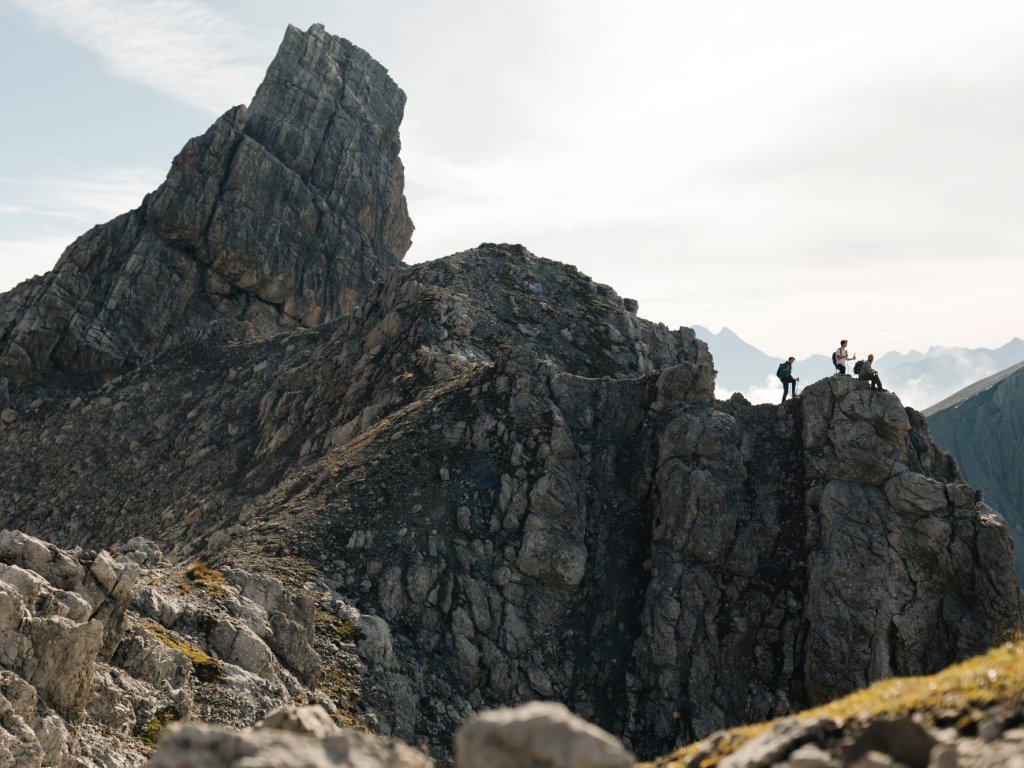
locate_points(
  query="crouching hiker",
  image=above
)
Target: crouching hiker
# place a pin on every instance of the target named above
(785, 374)
(865, 372)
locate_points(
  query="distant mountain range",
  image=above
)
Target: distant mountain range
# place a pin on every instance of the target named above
(982, 427)
(921, 379)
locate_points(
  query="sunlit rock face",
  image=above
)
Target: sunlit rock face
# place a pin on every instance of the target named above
(280, 215)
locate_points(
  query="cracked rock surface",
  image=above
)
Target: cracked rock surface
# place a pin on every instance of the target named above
(282, 214)
(99, 650)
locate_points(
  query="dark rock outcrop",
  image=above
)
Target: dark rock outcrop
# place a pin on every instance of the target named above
(983, 429)
(528, 492)
(280, 215)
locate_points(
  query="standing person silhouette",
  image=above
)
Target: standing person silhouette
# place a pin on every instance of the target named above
(785, 374)
(840, 357)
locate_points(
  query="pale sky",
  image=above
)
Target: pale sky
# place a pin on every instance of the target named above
(796, 170)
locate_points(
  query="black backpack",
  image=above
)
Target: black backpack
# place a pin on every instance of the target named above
(858, 366)
(834, 358)
(779, 371)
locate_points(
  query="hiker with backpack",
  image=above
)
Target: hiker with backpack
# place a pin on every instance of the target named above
(840, 358)
(865, 372)
(785, 374)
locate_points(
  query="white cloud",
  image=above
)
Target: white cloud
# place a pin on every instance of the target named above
(106, 193)
(181, 47)
(83, 198)
(769, 392)
(60, 209)
(21, 259)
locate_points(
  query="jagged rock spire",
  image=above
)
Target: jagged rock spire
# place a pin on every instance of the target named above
(281, 214)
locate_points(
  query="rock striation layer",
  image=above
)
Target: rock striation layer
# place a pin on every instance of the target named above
(280, 215)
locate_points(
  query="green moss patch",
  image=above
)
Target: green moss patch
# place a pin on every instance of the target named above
(150, 733)
(207, 668)
(328, 624)
(338, 684)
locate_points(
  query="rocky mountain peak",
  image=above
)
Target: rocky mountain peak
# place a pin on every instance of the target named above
(280, 215)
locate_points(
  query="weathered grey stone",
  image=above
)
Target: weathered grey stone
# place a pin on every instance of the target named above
(539, 733)
(43, 558)
(811, 756)
(205, 747)
(146, 658)
(902, 740)
(309, 720)
(375, 644)
(775, 744)
(62, 661)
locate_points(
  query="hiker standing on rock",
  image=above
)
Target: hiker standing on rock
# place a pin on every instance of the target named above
(840, 357)
(785, 374)
(865, 372)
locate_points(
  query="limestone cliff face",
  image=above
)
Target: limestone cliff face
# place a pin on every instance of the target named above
(280, 215)
(102, 649)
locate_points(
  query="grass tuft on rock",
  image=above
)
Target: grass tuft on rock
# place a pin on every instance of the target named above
(150, 733)
(207, 668)
(962, 692)
(329, 624)
(209, 579)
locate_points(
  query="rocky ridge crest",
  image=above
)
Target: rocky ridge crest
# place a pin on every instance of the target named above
(516, 520)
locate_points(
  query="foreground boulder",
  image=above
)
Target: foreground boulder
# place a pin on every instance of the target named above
(540, 733)
(288, 738)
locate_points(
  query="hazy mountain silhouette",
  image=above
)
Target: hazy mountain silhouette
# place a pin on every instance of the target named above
(982, 427)
(920, 378)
